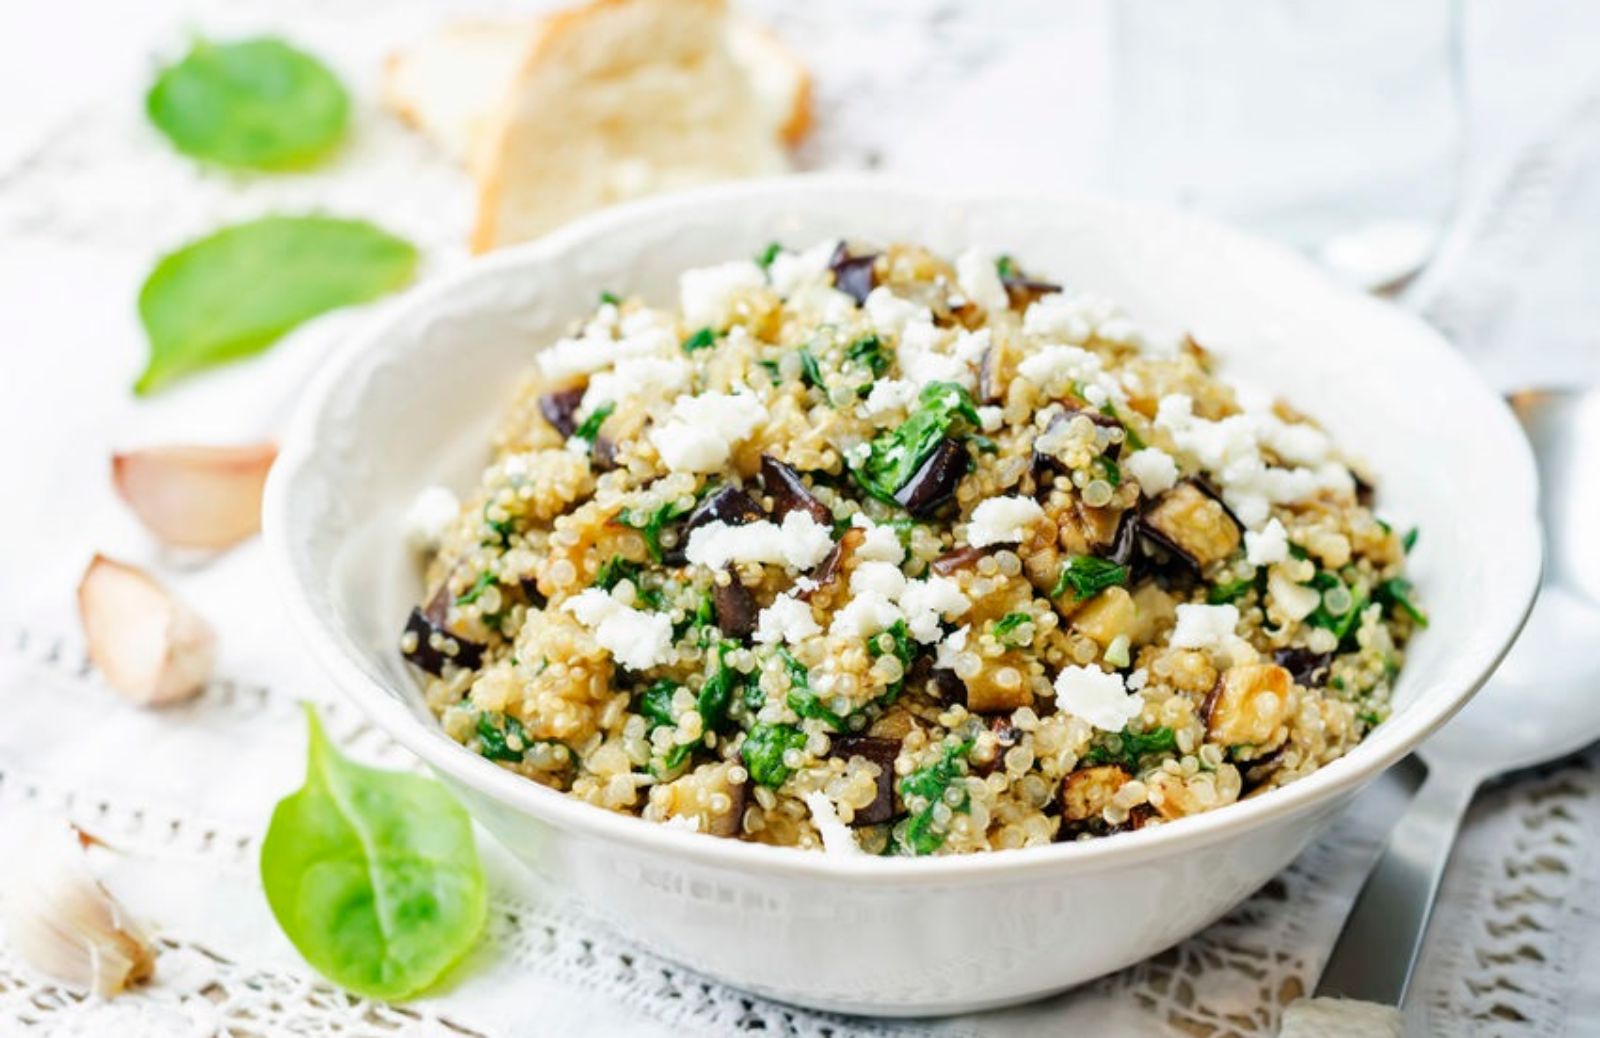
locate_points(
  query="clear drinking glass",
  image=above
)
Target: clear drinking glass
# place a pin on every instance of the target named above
(1333, 125)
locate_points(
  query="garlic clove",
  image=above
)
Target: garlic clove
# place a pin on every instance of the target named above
(61, 920)
(195, 497)
(148, 646)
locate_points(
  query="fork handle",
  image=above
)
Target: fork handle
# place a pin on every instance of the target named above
(1382, 936)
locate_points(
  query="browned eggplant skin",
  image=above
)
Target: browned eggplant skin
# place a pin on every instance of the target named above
(735, 607)
(853, 275)
(560, 408)
(469, 654)
(935, 481)
(1172, 521)
(789, 492)
(881, 752)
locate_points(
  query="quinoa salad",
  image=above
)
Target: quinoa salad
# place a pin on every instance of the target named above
(867, 550)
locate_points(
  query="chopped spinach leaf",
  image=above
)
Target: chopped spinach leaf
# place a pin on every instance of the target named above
(717, 693)
(810, 371)
(614, 571)
(1111, 470)
(772, 370)
(610, 299)
(703, 339)
(768, 254)
(867, 351)
(1005, 627)
(928, 785)
(1087, 576)
(1396, 593)
(484, 582)
(1006, 267)
(507, 740)
(655, 704)
(651, 523)
(591, 425)
(1409, 541)
(763, 752)
(1229, 592)
(1132, 746)
(893, 457)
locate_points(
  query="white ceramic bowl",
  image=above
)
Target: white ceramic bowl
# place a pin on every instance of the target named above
(409, 401)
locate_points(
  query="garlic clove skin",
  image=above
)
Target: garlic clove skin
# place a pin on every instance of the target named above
(61, 920)
(148, 646)
(195, 497)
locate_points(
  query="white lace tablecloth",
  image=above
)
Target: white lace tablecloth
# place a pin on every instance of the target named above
(185, 792)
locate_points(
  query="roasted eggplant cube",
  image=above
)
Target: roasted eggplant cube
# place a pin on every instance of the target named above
(853, 275)
(431, 647)
(728, 505)
(1087, 792)
(1002, 685)
(881, 752)
(560, 408)
(790, 493)
(1106, 616)
(735, 607)
(935, 481)
(826, 575)
(1309, 669)
(1192, 524)
(1249, 706)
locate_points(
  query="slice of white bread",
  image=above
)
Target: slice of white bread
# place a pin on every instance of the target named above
(611, 101)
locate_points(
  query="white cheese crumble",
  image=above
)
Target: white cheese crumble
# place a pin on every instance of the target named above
(701, 431)
(864, 616)
(649, 378)
(1078, 318)
(888, 395)
(878, 578)
(821, 304)
(1205, 626)
(1269, 546)
(969, 347)
(800, 541)
(787, 619)
(879, 544)
(430, 515)
(1231, 449)
(980, 281)
(836, 836)
(925, 602)
(636, 639)
(1054, 364)
(889, 313)
(921, 367)
(1153, 468)
(991, 418)
(790, 270)
(949, 650)
(1294, 601)
(1097, 697)
(1002, 520)
(595, 349)
(705, 293)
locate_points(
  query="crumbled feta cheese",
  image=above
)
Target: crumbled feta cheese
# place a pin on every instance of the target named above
(926, 602)
(880, 543)
(1138, 679)
(1098, 697)
(646, 378)
(980, 281)
(787, 619)
(1204, 626)
(837, 838)
(921, 367)
(1297, 443)
(702, 430)
(889, 313)
(864, 616)
(705, 293)
(636, 639)
(949, 650)
(790, 270)
(1055, 364)
(1002, 520)
(1153, 468)
(888, 395)
(969, 347)
(991, 418)
(431, 513)
(821, 304)
(596, 350)
(881, 578)
(1076, 319)
(800, 542)
(1269, 546)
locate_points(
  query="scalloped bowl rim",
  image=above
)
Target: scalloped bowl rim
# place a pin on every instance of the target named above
(1389, 742)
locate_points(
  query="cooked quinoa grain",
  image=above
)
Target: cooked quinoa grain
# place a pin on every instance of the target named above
(882, 553)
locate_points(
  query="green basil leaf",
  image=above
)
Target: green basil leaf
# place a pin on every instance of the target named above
(256, 104)
(236, 292)
(373, 875)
